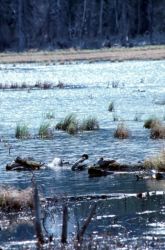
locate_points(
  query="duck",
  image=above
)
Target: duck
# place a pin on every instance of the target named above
(104, 163)
(57, 162)
(81, 163)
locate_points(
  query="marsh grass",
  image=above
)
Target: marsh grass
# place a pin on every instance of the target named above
(22, 131)
(151, 122)
(45, 131)
(13, 199)
(68, 124)
(111, 107)
(122, 131)
(157, 131)
(88, 124)
(156, 162)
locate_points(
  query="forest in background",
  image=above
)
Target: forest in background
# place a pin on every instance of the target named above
(81, 24)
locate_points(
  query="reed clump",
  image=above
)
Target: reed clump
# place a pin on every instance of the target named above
(88, 124)
(12, 199)
(22, 131)
(156, 162)
(151, 122)
(68, 124)
(122, 131)
(111, 107)
(157, 131)
(45, 131)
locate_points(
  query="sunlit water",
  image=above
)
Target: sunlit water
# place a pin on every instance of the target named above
(140, 94)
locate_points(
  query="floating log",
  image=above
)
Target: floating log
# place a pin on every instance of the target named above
(20, 164)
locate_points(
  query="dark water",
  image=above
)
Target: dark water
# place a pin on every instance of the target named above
(124, 218)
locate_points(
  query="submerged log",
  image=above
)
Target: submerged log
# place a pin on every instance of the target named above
(20, 164)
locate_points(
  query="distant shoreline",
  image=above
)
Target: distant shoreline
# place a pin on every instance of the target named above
(71, 55)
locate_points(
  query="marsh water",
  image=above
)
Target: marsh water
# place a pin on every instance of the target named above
(137, 89)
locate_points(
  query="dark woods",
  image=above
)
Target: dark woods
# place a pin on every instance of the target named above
(40, 24)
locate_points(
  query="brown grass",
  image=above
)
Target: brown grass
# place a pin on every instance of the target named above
(156, 162)
(61, 56)
(157, 131)
(122, 131)
(13, 199)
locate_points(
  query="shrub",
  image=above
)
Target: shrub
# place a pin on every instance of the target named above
(158, 131)
(151, 122)
(121, 131)
(156, 162)
(90, 123)
(22, 132)
(111, 107)
(68, 124)
(45, 132)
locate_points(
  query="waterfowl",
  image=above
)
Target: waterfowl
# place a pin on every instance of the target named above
(104, 163)
(57, 162)
(81, 163)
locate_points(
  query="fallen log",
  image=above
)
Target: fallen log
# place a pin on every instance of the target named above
(20, 164)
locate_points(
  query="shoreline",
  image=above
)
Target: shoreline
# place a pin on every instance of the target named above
(71, 55)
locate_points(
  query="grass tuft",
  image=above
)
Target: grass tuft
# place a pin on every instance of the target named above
(151, 122)
(68, 124)
(157, 131)
(156, 162)
(122, 131)
(45, 132)
(22, 132)
(15, 200)
(111, 107)
(90, 123)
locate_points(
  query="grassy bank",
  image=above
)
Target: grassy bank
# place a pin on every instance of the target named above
(62, 56)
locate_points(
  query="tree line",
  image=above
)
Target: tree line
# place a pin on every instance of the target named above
(26, 24)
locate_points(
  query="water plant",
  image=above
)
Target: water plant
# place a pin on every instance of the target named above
(158, 131)
(122, 131)
(156, 162)
(90, 123)
(45, 132)
(21, 131)
(111, 107)
(68, 124)
(151, 122)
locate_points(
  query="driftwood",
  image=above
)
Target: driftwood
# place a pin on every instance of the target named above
(24, 164)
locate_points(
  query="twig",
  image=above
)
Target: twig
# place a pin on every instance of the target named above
(80, 234)
(64, 225)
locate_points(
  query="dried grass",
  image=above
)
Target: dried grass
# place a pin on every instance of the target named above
(13, 199)
(156, 162)
(122, 131)
(158, 131)
(151, 122)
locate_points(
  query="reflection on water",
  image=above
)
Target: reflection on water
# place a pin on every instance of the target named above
(139, 84)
